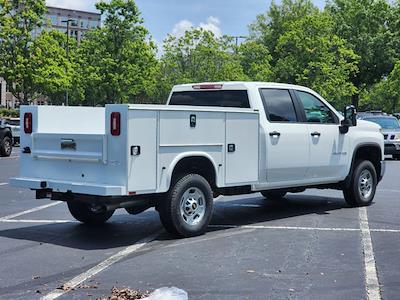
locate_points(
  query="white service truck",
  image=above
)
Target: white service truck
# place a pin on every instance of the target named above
(210, 139)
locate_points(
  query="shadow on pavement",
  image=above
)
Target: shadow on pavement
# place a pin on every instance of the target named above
(124, 230)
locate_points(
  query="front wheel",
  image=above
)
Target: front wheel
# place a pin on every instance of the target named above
(362, 188)
(187, 210)
(87, 214)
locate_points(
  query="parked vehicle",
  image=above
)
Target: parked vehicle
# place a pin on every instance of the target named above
(391, 133)
(14, 124)
(5, 140)
(210, 139)
(397, 115)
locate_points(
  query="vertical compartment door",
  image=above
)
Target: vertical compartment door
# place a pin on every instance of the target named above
(241, 157)
(142, 145)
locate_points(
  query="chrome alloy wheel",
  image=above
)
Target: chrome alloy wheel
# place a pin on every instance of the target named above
(365, 184)
(193, 206)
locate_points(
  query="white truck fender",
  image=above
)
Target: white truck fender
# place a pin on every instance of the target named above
(181, 156)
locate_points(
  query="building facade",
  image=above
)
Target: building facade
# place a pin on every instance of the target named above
(56, 18)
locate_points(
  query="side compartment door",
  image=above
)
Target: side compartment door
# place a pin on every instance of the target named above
(328, 148)
(241, 157)
(287, 143)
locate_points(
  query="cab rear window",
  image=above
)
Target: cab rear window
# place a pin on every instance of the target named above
(226, 98)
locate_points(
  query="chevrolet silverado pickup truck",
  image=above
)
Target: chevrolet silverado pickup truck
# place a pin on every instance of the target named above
(210, 139)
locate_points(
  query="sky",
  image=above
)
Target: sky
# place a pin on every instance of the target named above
(162, 17)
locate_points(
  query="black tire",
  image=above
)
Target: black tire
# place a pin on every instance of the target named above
(83, 213)
(6, 147)
(273, 195)
(353, 194)
(396, 156)
(174, 219)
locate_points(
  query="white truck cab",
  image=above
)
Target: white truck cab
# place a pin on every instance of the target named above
(210, 139)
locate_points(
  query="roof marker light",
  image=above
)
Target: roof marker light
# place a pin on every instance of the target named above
(207, 86)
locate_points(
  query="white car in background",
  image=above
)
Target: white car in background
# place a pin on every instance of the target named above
(14, 124)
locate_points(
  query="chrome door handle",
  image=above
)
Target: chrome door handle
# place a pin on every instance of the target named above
(275, 134)
(314, 134)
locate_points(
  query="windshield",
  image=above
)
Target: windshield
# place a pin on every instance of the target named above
(386, 123)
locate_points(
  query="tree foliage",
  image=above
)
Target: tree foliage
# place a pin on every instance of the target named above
(364, 26)
(196, 57)
(117, 61)
(305, 49)
(53, 73)
(345, 50)
(310, 54)
(385, 94)
(18, 19)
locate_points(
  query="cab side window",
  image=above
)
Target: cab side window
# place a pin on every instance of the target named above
(278, 105)
(315, 110)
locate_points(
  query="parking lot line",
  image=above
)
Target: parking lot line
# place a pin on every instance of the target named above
(74, 282)
(3, 183)
(29, 211)
(371, 276)
(37, 221)
(286, 227)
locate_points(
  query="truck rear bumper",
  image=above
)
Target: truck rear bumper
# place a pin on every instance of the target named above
(74, 187)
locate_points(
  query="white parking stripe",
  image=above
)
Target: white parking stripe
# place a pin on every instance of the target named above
(38, 221)
(25, 212)
(286, 227)
(74, 282)
(3, 183)
(371, 276)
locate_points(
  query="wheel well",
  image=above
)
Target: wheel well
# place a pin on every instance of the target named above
(371, 153)
(7, 134)
(196, 164)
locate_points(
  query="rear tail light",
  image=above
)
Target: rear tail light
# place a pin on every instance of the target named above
(28, 123)
(115, 124)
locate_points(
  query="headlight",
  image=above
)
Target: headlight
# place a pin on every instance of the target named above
(397, 136)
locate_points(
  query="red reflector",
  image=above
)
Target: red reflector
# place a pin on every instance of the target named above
(28, 123)
(115, 125)
(132, 193)
(207, 86)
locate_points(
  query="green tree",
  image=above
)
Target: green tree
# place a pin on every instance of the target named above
(53, 72)
(269, 27)
(196, 57)
(18, 19)
(310, 54)
(384, 95)
(117, 62)
(255, 60)
(364, 25)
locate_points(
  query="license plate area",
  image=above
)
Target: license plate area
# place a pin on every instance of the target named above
(87, 147)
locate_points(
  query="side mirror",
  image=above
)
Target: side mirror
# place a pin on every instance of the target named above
(350, 119)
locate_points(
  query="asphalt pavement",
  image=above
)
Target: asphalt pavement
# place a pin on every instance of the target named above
(308, 246)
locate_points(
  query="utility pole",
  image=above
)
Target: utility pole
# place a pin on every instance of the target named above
(237, 38)
(67, 21)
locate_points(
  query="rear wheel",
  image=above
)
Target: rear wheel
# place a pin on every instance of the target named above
(88, 214)
(273, 195)
(187, 210)
(362, 188)
(6, 147)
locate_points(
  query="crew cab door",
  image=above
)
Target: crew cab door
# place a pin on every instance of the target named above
(328, 148)
(287, 142)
